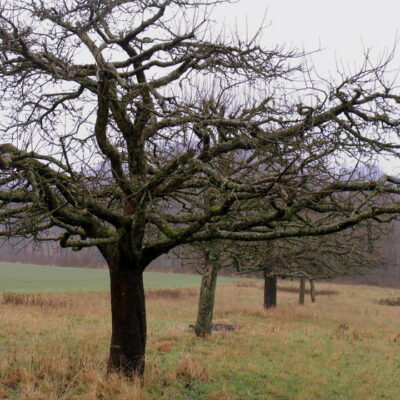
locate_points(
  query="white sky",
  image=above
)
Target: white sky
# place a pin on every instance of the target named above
(342, 29)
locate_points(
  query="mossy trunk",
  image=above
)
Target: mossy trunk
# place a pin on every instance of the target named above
(312, 290)
(128, 341)
(302, 290)
(205, 310)
(270, 290)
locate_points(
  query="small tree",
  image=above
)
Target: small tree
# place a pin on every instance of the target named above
(346, 253)
(313, 293)
(208, 258)
(118, 114)
(270, 289)
(325, 257)
(302, 291)
(205, 311)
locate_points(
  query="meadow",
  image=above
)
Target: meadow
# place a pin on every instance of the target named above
(345, 346)
(40, 278)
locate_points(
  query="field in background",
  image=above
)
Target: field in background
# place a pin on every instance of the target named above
(344, 347)
(39, 278)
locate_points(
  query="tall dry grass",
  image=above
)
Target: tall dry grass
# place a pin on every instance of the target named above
(58, 352)
(38, 300)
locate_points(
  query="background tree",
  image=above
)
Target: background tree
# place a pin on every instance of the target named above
(270, 289)
(118, 114)
(313, 293)
(209, 258)
(346, 253)
(302, 291)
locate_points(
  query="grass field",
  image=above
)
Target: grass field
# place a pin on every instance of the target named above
(39, 278)
(344, 347)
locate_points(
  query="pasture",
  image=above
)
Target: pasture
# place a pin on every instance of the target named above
(345, 346)
(40, 278)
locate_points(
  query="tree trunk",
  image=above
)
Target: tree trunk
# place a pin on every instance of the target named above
(203, 325)
(312, 290)
(302, 290)
(270, 289)
(128, 309)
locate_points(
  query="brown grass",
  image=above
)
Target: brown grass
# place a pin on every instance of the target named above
(190, 367)
(36, 300)
(330, 349)
(288, 287)
(390, 302)
(171, 293)
(222, 395)
(321, 292)
(249, 283)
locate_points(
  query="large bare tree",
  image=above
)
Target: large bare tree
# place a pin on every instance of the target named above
(117, 115)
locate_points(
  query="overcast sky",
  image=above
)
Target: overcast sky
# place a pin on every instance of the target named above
(343, 30)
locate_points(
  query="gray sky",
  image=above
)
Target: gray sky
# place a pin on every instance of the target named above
(342, 30)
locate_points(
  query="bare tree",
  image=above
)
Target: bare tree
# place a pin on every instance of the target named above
(313, 293)
(270, 289)
(118, 115)
(209, 259)
(346, 253)
(302, 290)
(308, 258)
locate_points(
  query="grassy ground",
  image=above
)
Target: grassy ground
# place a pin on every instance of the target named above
(345, 346)
(39, 278)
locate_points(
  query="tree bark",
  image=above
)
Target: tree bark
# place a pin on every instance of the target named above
(128, 341)
(270, 290)
(302, 290)
(312, 290)
(205, 310)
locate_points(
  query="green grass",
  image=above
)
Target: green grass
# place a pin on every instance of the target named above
(39, 278)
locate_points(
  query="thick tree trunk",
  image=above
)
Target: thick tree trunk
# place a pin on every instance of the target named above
(203, 325)
(302, 290)
(312, 290)
(128, 339)
(270, 290)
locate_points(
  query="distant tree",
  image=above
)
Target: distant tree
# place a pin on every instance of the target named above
(270, 289)
(345, 253)
(117, 116)
(302, 291)
(312, 290)
(309, 258)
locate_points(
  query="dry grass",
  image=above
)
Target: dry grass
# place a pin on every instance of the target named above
(38, 300)
(249, 283)
(171, 293)
(390, 302)
(343, 347)
(321, 292)
(190, 367)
